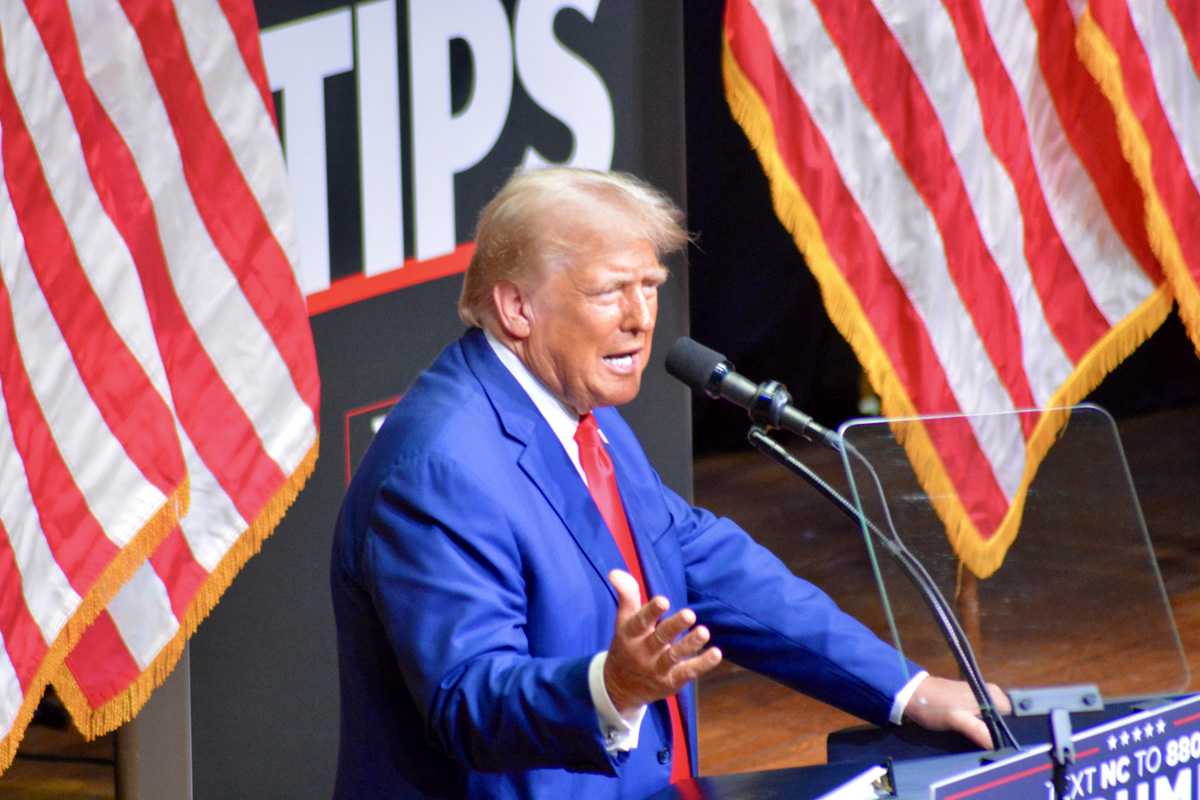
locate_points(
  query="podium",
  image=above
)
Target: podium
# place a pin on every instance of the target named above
(1077, 600)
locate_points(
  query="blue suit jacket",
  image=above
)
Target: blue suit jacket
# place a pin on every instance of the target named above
(470, 591)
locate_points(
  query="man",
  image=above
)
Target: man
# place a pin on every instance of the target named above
(493, 641)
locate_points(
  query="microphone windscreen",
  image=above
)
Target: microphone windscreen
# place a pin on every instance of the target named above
(693, 363)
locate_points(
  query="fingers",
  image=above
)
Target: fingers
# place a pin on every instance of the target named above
(999, 699)
(941, 704)
(695, 666)
(652, 656)
(647, 621)
(628, 596)
(974, 729)
(630, 610)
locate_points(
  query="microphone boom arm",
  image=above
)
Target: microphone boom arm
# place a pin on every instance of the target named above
(770, 406)
(912, 568)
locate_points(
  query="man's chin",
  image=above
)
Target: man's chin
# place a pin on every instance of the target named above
(623, 393)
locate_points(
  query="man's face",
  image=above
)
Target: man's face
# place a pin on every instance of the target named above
(591, 324)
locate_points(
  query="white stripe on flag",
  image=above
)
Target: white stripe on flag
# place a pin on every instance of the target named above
(931, 44)
(1116, 282)
(907, 234)
(212, 526)
(229, 329)
(44, 590)
(227, 378)
(237, 108)
(142, 613)
(1175, 76)
(117, 493)
(10, 690)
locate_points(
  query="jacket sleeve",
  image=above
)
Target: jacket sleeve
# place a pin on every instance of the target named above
(770, 621)
(443, 561)
(762, 616)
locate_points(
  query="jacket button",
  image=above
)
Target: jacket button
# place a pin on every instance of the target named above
(664, 755)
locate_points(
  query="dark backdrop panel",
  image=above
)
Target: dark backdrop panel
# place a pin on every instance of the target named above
(264, 665)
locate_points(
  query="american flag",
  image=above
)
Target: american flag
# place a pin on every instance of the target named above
(998, 200)
(159, 384)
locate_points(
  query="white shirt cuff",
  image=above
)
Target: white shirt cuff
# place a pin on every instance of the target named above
(620, 733)
(904, 695)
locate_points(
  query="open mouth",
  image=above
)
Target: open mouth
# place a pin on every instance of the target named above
(620, 363)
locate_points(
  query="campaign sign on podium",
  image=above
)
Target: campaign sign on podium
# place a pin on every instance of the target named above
(1152, 755)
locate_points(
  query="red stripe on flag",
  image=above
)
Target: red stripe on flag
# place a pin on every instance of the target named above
(100, 662)
(1179, 196)
(1072, 314)
(229, 209)
(218, 427)
(179, 571)
(244, 23)
(850, 239)
(23, 638)
(76, 539)
(132, 408)
(896, 98)
(1088, 122)
(1187, 17)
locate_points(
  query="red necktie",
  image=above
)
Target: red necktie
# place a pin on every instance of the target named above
(602, 484)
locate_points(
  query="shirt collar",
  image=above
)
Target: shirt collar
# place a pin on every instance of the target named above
(562, 418)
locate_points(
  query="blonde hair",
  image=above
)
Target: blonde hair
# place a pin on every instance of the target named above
(555, 214)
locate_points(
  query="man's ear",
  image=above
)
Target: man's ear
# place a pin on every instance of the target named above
(511, 304)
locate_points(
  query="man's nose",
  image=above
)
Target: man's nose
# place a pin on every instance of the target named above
(639, 310)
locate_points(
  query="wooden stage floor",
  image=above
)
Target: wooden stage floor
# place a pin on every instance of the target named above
(746, 722)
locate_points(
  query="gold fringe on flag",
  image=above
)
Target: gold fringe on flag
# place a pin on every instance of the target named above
(1100, 57)
(126, 705)
(117, 574)
(983, 556)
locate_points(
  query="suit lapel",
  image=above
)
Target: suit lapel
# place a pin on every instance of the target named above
(547, 465)
(543, 460)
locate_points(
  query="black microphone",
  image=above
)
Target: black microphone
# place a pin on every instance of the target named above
(708, 372)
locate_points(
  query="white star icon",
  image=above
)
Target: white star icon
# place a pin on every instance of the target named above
(1112, 742)
(1161, 726)
(1149, 730)
(1137, 734)
(1124, 738)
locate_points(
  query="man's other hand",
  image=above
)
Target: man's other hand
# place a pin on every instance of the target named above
(940, 704)
(650, 657)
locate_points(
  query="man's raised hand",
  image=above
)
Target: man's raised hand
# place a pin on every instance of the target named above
(651, 658)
